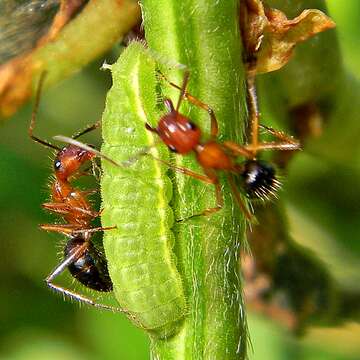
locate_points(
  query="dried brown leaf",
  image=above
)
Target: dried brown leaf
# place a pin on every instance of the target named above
(253, 23)
(270, 37)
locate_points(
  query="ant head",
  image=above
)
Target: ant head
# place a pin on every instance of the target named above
(259, 179)
(177, 131)
(69, 159)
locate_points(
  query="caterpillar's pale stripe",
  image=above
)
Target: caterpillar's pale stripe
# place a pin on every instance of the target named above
(140, 253)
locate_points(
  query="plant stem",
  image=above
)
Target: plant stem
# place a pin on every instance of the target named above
(204, 35)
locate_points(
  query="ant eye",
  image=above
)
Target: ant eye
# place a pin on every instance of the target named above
(57, 164)
(172, 148)
(191, 125)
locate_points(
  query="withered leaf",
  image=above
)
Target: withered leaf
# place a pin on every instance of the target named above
(270, 37)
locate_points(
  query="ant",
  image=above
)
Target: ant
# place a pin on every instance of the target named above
(182, 136)
(84, 261)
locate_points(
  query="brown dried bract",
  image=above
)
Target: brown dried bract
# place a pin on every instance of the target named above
(16, 74)
(270, 38)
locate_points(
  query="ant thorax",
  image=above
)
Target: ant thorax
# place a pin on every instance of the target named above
(211, 155)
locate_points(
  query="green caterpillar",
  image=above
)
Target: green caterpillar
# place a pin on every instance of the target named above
(140, 255)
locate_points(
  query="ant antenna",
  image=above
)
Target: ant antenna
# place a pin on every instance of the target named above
(88, 129)
(183, 89)
(34, 114)
(85, 147)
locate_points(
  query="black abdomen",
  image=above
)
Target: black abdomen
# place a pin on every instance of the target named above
(91, 268)
(259, 179)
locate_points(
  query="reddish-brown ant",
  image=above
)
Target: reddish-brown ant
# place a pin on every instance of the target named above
(182, 136)
(84, 261)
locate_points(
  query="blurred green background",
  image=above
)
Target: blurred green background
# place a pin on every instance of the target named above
(37, 324)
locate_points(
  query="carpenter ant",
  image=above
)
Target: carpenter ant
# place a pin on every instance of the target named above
(84, 261)
(182, 136)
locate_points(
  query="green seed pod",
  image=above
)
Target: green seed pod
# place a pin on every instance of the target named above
(140, 255)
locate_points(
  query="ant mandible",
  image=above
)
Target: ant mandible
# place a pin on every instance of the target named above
(182, 136)
(84, 261)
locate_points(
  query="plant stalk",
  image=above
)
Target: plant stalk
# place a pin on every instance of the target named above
(204, 35)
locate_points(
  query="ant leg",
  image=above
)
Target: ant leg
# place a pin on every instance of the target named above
(57, 208)
(79, 174)
(69, 229)
(34, 115)
(249, 151)
(214, 124)
(275, 146)
(238, 150)
(61, 208)
(186, 171)
(219, 199)
(185, 95)
(183, 89)
(88, 171)
(90, 192)
(280, 135)
(91, 213)
(95, 169)
(66, 229)
(168, 102)
(209, 178)
(96, 229)
(87, 130)
(239, 201)
(150, 128)
(73, 295)
(287, 143)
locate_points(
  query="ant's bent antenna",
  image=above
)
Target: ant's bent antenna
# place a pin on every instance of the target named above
(34, 114)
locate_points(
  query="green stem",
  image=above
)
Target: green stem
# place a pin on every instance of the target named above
(78, 43)
(204, 35)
